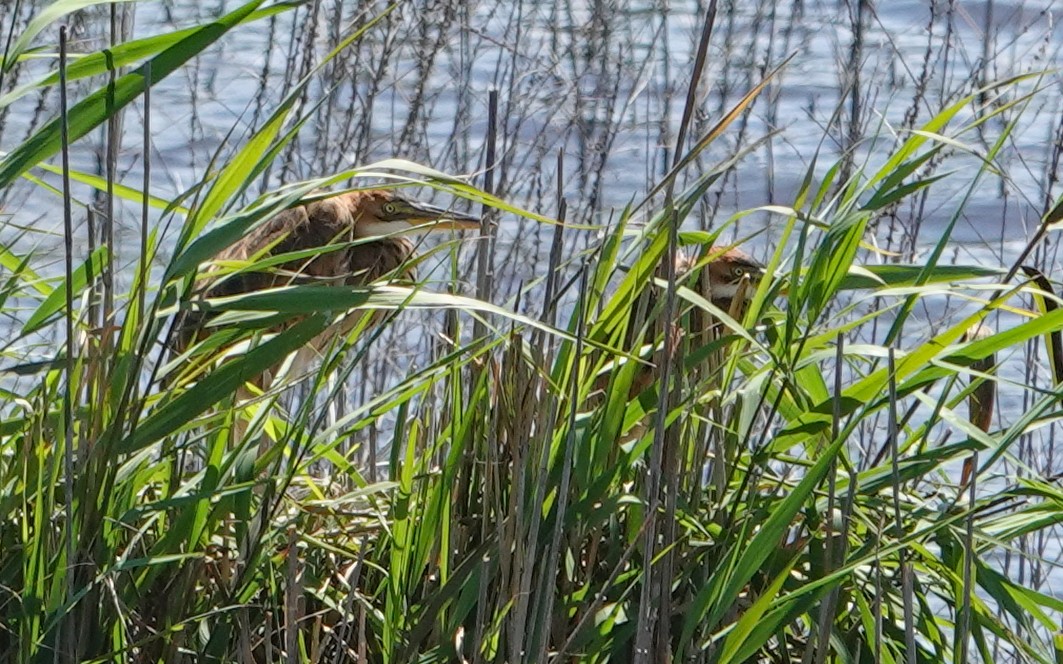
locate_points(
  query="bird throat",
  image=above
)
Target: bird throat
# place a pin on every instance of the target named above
(378, 228)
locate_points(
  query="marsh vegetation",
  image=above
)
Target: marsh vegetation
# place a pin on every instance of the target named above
(469, 475)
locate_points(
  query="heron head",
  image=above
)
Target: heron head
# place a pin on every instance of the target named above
(384, 212)
(731, 274)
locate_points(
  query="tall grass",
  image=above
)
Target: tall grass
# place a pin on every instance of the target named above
(793, 489)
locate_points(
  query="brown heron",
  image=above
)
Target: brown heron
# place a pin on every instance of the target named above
(363, 232)
(728, 280)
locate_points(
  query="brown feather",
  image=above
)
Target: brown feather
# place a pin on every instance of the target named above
(337, 220)
(719, 281)
(728, 281)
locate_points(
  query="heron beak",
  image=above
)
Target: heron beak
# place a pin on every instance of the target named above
(436, 218)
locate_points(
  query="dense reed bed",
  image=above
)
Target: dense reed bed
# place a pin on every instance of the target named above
(470, 475)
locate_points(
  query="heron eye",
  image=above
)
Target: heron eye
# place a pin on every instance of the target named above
(389, 208)
(738, 272)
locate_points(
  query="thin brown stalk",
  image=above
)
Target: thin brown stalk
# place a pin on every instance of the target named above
(549, 314)
(553, 552)
(655, 585)
(486, 246)
(146, 188)
(963, 625)
(545, 422)
(293, 593)
(67, 650)
(905, 564)
(856, 55)
(826, 608)
(114, 140)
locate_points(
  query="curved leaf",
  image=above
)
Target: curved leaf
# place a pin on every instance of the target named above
(46, 17)
(94, 110)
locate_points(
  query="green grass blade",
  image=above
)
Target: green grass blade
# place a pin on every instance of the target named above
(56, 299)
(42, 20)
(94, 110)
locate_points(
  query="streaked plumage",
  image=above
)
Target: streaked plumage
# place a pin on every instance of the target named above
(728, 281)
(730, 274)
(723, 277)
(341, 219)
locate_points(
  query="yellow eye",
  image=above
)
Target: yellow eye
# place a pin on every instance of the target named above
(390, 208)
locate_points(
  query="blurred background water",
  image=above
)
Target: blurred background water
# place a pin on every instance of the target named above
(604, 83)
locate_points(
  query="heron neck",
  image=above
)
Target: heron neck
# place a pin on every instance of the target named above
(377, 228)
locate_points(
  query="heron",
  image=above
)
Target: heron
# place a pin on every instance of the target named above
(363, 237)
(728, 280)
